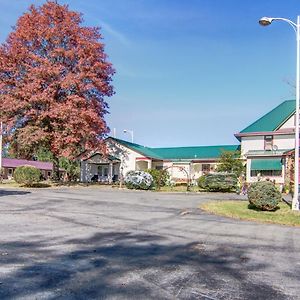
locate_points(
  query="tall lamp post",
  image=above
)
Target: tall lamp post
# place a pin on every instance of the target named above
(130, 132)
(265, 21)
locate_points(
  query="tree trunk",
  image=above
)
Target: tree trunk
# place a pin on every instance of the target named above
(55, 170)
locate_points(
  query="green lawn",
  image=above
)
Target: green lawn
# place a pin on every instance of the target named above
(239, 210)
(8, 183)
(179, 188)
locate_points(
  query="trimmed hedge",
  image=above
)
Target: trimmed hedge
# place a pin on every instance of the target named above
(27, 175)
(264, 195)
(218, 182)
(138, 180)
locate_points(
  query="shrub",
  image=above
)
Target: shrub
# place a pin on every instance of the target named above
(264, 195)
(219, 182)
(201, 182)
(160, 177)
(27, 175)
(138, 180)
(72, 168)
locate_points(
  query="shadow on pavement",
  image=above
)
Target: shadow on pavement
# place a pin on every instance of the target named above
(12, 192)
(131, 266)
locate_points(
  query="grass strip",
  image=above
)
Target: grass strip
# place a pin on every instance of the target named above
(240, 210)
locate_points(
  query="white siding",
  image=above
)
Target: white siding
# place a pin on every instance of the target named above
(127, 156)
(284, 141)
(290, 123)
(249, 143)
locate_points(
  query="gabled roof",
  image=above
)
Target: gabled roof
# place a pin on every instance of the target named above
(274, 119)
(107, 157)
(146, 151)
(178, 153)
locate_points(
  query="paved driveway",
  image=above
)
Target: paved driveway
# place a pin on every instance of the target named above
(90, 243)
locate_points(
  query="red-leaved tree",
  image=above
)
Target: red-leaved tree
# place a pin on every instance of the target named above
(54, 77)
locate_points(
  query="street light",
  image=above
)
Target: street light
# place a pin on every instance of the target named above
(130, 132)
(265, 21)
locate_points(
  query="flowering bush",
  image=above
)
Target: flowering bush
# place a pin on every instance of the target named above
(138, 180)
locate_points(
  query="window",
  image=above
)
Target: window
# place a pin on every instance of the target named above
(266, 173)
(268, 142)
(10, 172)
(159, 167)
(205, 168)
(49, 173)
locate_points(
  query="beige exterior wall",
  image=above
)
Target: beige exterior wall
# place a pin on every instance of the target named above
(284, 141)
(252, 143)
(127, 156)
(290, 123)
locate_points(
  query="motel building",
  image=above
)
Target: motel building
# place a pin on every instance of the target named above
(266, 148)
(10, 164)
(183, 163)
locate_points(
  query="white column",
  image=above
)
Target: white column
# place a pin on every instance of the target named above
(110, 177)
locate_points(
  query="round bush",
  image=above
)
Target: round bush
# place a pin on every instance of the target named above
(27, 175)
(138, 180)
(264, 195)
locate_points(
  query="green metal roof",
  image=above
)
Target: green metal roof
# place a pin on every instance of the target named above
(180, 153)
(146, 151)
(266, 164)
(273, 119)
(198, 152)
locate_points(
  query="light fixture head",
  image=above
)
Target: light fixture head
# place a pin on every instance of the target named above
(265, 21)
(124, 130)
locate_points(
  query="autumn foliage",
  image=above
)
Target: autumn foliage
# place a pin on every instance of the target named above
(54, 77)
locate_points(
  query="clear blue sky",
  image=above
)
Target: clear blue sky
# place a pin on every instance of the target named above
(188, 72)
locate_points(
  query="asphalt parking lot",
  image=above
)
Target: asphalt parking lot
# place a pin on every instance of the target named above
(89, 243)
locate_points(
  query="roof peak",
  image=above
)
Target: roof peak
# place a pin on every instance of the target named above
(273, 119)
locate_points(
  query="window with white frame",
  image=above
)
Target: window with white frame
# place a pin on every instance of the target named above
(268, 142)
